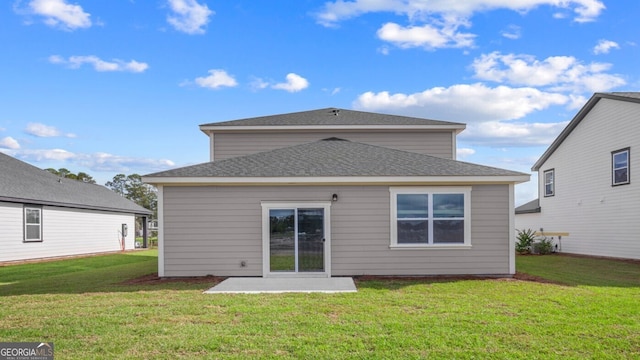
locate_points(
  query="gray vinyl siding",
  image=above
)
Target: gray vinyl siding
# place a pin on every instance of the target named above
(435, 143)
(210, 230)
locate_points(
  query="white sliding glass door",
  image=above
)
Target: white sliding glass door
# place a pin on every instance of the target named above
(296, 238)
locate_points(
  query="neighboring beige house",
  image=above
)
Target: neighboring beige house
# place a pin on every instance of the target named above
(44, 216)
(585, 181)
(335, 192)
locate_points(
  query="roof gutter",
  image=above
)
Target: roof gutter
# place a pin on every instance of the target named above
(207, 129)
(74, 206)
(337, 180)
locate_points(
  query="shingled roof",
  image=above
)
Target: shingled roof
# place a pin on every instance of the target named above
(24, 183)
(332, 157)
(531, 207)
(331, 117)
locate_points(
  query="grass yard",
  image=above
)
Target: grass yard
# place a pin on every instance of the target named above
(83, 306)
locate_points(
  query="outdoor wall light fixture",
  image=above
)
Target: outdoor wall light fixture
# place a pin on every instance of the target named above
(334, 197)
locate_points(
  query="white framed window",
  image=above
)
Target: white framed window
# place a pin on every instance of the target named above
(430, 217)
(620, 167)
(32, 224)
(549, 182)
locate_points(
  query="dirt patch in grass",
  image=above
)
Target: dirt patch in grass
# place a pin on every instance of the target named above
(533, 278)
(154, 279)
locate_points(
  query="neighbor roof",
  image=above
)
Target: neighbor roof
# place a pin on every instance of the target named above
(621, 96)
(24, 183)
(332, 157)
(531, 207)
(331, 117)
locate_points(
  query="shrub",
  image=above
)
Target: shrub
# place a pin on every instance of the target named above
(525, 240)
(544, 246)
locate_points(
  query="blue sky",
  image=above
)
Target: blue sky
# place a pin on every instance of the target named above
(120, 86)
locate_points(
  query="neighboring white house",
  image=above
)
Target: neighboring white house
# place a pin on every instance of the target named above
(586, 184)
(335, 192)
(43, 215)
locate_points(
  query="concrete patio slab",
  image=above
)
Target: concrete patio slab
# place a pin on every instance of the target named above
(283, 285)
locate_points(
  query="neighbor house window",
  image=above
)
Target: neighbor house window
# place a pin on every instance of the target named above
(32, 224)
(620, 167)
(549, 182)
(430, 217)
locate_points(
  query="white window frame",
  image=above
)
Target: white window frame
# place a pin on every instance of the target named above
(266, 235)
(614, 168)
(464, 190)
(552, 182)
(26, 225)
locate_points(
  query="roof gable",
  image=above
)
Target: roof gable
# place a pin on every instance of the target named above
(620, 96)
(332, 158)
(329, 117)
(21, 182)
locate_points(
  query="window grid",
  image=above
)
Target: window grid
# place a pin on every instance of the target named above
(620, 167)
(32, 224)
(549, 182)
(431, 217)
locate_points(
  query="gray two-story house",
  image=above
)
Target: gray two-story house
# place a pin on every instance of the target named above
(335, 192)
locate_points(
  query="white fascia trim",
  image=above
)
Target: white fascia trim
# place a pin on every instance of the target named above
(160, 197)
(326, 180)
(206, 129)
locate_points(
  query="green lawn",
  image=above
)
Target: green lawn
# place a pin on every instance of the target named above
(83, 306)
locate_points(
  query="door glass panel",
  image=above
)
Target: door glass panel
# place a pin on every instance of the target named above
(311, 240)
(282, 240)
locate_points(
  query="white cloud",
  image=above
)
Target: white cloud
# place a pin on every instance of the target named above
(217, 78)
(427, 36)
(44, 155)
(605, 46)
(42, 130)
(189, 16)
(9, 143)
(98, 64)
(96, 161)
(500, 133)
(463, 102)
(435, 23)
(294, 83)
(512, 32)
(116, 163)
(339, 10)
(561, 73)
(464, 152)
(384, 50)
(258, 84)
(58, 13)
